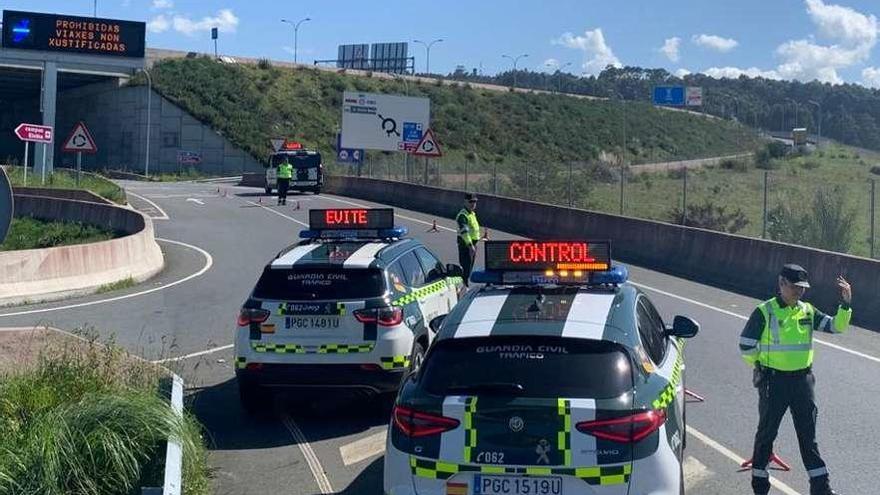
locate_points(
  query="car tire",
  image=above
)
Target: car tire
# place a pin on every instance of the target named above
(417, 356)
(317, 191)
(253, 398)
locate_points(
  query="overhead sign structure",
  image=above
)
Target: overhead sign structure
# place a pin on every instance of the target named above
(428, 146)
(65, 33)
(6, 205)
(382, 122)
(694, 96)
(34, 133)
(672, 96)
(80, 141)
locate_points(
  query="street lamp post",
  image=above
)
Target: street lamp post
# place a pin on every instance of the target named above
(149, 111)
(428, 52)
(559, 81)
(818, 122)
(95, 8)
(515, 60)
(296, 34)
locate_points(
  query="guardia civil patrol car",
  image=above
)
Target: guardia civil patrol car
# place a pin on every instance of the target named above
(555, 378)
(348, 307)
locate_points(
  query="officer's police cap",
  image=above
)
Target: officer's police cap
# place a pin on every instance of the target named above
(795, 274)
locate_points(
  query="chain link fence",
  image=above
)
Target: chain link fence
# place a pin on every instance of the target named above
(829, 210)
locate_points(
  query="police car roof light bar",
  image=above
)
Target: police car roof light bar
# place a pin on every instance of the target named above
(354, 234)
(617, 275)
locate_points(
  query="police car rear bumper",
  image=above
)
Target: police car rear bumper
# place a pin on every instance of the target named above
(347, 376)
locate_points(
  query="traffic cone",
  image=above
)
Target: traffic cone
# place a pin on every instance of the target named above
(261, 200)
(775, 459)
(433, 227)
(296, 205)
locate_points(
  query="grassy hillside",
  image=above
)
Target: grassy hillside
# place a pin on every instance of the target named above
(249, 104)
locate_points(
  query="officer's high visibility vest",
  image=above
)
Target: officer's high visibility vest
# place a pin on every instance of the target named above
(786, 343)
(285, 171)
(468, 227)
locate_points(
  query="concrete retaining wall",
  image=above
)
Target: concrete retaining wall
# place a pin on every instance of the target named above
(55, 273)
(741, 264)
(75, 194)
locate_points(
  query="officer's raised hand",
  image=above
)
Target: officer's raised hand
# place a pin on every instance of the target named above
(845, 289)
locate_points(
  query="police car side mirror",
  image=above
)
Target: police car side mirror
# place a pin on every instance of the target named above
(436, 322)
(454, 271)
(683, 327)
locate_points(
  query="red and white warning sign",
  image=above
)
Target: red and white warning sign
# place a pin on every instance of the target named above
(428, 145)
(80, 140)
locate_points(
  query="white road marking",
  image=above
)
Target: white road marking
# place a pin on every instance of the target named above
(195, 354)
(745, 318)
(196, 201)
(363, 449)
(311, 458)
(737, 459)
(163, 216)
(411, 219)
(695, 472)
(279, 213)
(209, 261)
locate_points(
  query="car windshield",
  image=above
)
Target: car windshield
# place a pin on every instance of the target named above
(297, 160)
(528, 367)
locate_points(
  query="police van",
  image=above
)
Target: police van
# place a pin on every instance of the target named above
(347, 307)
(554, 378)
(308, 168)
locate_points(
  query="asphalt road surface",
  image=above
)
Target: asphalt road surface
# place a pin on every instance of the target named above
(217, 238)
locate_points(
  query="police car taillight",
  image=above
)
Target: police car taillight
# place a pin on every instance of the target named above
(627, 429)
(414, 424)
(388, 316)
(251, 315)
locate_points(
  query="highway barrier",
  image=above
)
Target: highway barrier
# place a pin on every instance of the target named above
(34, 275)
(737, 263)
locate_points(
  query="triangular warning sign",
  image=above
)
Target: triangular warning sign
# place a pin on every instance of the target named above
(428, 145)
(277, 143)
(80, 141)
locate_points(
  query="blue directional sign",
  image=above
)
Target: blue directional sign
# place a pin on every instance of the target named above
(673, 96)
(412, 132)
(348, 155)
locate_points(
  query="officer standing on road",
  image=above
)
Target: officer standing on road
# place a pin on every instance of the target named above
(468, 235)
(285, 173)
(778, 342)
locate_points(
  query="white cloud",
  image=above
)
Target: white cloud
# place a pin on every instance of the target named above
(225, 21)
(714, 42)
(597, 53)
(162, 4)
(550, 63)
(871, 77)
(682, 72)
(843, 24)
(735, 72)
(670, 48)
(159, 24)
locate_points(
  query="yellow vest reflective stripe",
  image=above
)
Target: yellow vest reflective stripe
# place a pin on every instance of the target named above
(470, 232)
(285, 171)
(787, 341)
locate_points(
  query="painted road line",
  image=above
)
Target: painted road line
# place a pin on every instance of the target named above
(695, 472)
(411, 219)
(311, 458)
(196, 201)
(209, 262)
(195, 354)
(363, 449)
(737, 459)
(163, 216)
(745, 318)
(278, 213)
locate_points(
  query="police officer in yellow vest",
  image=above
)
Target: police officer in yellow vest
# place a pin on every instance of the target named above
(468, 235)
(285, 173)
(778, 342)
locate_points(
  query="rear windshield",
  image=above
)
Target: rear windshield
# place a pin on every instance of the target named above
(307, 284)
(298, 161)
(544, 367)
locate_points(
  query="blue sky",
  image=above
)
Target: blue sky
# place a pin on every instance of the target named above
(788, 39)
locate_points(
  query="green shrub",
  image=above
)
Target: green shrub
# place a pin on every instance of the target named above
(709, 215)
(810, 164)
(826, 224)
(875, 169)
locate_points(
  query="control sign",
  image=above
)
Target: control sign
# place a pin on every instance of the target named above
(586, 256)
